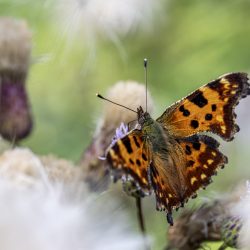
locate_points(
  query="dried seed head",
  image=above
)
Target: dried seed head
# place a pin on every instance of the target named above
(15, 46)
(22, 168)
(60, 170)
(194, 227)
(130, 94)
(35, 207)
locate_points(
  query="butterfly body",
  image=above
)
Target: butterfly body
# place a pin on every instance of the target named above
(154, 133)
(160, 143)
(171, 155)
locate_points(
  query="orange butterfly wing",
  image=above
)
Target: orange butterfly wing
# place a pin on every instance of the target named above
(189, 159)
(189, 166)
(130, 157)
(203, 158)
(210, 108)
(194, 158)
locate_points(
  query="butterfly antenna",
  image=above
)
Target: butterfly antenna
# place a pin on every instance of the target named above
(100, 96)
(146, 80)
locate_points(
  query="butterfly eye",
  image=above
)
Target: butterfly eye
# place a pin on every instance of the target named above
(141, 120)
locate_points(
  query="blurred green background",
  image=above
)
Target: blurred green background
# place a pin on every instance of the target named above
(188, 43)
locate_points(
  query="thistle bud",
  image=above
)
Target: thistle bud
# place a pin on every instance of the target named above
(223, 219)
(15, 48)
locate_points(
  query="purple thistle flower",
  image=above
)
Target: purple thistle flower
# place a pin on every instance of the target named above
(119, 133)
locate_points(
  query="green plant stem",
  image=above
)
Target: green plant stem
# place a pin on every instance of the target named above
(140, 215)
(223, 247)
(141, 221)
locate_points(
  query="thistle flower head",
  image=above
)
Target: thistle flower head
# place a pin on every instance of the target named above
(22, 168)
(195, 226)
(230, 231)
(60, 170)
(223, 219)
(119, 133)
(130, 94)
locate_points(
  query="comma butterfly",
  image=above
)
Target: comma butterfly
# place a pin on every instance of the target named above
(171, 155)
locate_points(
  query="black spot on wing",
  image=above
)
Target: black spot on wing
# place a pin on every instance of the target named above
(190, 163)
(208, 117)
(144, 157)
(127, 144)
(138, 162)
(154, 171)
(194, 124)
(116, 148)
(117, 151)
(136, 142)
(188, 150)
(214, 107)
(196, 145)
(198, 99)
(181, 108)
(184, 111)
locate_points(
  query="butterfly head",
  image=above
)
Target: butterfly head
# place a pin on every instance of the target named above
(143, 117)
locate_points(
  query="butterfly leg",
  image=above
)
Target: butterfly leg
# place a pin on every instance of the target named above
(170, 218)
